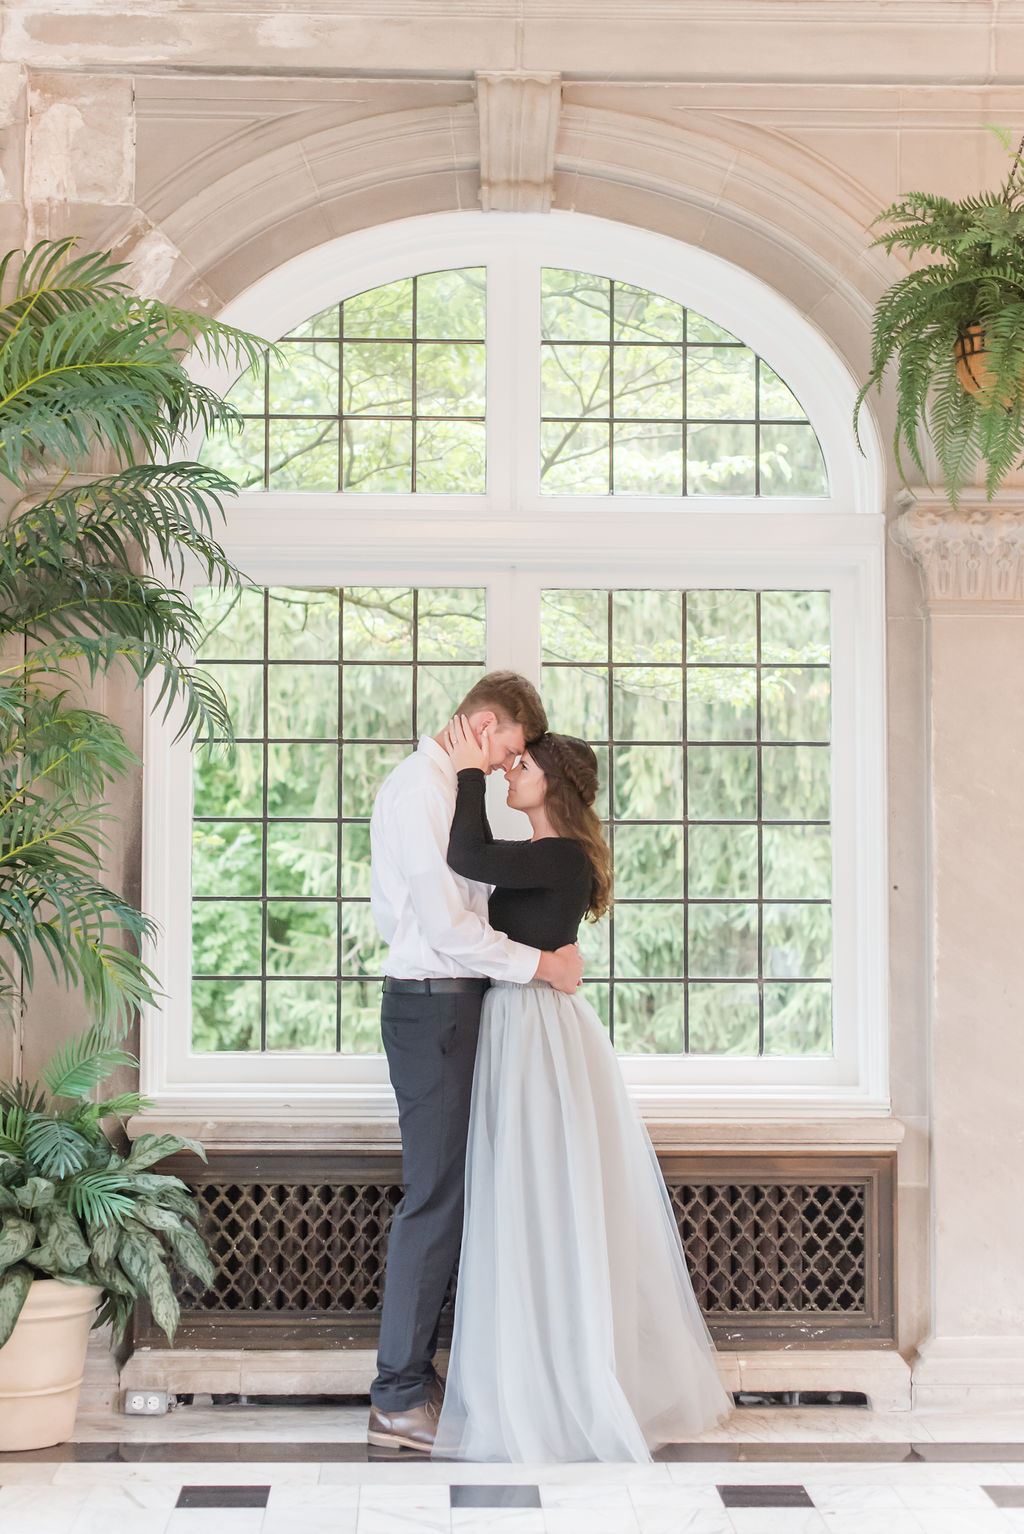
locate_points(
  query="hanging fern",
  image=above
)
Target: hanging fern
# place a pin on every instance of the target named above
(977, 280)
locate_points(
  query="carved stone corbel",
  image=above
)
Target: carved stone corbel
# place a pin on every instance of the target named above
(518, 115)
(974, 554)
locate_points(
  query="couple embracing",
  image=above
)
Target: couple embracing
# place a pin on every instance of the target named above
(577, 1334)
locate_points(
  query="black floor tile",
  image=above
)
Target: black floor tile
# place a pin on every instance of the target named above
(1006, 1496)
(764, 1496)
(495, 1496)
(223, 1496)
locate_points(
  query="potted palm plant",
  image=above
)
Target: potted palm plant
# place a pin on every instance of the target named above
(954, 330)
(86, 369)
(90, 374)
(85, 1223)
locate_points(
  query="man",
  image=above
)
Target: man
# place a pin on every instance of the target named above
(441, 951)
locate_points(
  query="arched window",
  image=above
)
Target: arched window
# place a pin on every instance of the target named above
(636, 484)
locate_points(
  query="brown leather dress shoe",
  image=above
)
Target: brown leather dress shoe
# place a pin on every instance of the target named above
(412, 1429)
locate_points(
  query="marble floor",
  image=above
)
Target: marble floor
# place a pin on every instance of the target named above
(272, 1469)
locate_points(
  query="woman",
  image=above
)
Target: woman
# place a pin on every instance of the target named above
(577, 1334)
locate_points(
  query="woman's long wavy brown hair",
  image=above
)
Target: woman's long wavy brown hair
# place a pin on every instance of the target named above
(570, 768)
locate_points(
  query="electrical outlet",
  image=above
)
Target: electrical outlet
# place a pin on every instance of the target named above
(145, 1403)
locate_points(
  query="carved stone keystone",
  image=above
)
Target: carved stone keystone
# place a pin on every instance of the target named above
(518, 125)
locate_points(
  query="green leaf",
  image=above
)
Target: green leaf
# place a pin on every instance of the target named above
(63, 1236)
(99, 1197)
(115, 1312)
(36, 1193)
(142, 1258)
(17, 1237)
(84, 1062)
(188, 1248)
(14, 1287)
(55, 1148)
(149, 1149)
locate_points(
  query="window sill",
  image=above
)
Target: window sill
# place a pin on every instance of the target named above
(682, 1133)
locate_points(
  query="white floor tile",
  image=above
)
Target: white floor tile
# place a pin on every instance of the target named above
(339, 1497)
(776, 1520)
(712, 1519)
(34, 1509)
(851, 1496)
(650, 1502)
(587, 1520)
(416, 1509)
(611, 1500)
(963, 1522)
(16, 1472)
(215, 1520)
(145, 1520)
(873, 1523)
(743, 1472)
(944, 1498)
(189, 1473)
(498, 1520)
(294, 1517)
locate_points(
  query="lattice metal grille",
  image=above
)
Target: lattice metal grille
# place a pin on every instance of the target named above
(295, 1247)
(775, 1248)
(769, 1258)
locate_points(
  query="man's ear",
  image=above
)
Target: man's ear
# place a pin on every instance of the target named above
(484, 719)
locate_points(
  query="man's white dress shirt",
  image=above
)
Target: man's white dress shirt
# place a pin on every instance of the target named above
(434, 921)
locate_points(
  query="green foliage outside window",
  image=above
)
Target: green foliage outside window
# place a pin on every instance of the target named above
(386, 393)
(710, 713)
(382, 393)
(329, 690)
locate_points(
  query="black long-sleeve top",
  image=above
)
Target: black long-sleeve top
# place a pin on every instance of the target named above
(542, 888)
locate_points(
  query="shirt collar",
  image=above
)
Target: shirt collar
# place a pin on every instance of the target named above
(436, 754)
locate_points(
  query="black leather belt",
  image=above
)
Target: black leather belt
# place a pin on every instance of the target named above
(436, 987)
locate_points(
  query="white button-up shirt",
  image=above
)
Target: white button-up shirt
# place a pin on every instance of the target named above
(434, 921)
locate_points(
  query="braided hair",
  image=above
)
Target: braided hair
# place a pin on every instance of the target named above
(570, 768)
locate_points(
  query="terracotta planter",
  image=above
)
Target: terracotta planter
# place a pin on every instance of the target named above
(973, 368)
(41, 1365)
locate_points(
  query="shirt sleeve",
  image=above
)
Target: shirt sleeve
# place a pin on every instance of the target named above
(420, 825)
(474, 853)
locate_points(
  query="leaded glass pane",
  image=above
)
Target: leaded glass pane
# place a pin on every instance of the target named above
(711, 709)
(384, 393)
(332, 686)
(692, 410)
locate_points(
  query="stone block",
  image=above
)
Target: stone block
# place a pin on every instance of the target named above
(81, 140)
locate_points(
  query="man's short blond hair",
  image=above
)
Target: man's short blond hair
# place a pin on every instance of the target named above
(513, 699)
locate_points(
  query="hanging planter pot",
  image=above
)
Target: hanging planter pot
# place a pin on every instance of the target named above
(976, 371)
(973, 368)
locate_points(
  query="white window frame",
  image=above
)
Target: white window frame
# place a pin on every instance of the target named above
(516, 541)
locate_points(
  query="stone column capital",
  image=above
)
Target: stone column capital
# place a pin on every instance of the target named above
(972, 556)
(518, 112)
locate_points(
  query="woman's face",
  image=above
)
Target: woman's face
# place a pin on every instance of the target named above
(527, 785)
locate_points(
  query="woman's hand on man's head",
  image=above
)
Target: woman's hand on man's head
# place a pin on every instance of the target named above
(464, 748)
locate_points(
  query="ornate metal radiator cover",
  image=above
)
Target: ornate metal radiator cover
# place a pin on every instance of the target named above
(788, 1249)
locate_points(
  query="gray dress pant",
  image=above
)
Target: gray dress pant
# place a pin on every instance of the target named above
(430, 1042)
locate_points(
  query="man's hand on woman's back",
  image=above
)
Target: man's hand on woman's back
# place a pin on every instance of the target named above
(563, 968)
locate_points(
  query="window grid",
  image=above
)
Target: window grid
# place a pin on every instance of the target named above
(265, 821)
(684, 346)
(615, 820)
(341, 417)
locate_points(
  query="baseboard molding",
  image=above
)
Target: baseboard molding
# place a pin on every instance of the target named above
(882, 1375)
(968, 1373)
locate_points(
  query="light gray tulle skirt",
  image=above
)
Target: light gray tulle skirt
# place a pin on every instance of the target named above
(577, 1334)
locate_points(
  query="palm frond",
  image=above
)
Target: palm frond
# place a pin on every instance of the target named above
(84, 1062)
